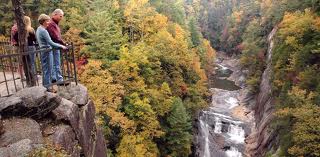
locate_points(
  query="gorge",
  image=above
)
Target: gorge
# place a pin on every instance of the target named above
(236, 123)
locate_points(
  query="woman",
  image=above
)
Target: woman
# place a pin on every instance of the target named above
(45, 41)
(31, 40)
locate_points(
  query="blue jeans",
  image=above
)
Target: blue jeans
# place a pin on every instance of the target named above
(32, 57)
(55, 62)
(46, 68)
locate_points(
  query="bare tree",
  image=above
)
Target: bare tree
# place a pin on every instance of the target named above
(22, 35)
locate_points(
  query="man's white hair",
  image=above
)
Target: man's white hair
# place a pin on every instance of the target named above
(57, 11)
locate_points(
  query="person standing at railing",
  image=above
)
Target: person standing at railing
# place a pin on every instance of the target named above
(55, 34)
(14, 30)
(31, 40)
(45, 41)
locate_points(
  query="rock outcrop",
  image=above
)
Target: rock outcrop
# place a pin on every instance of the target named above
(263, 138)
(33, 118)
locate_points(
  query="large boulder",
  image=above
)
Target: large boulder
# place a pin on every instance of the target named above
(69, 113)
(63, 136)
(17, 129)
(66, 120)
(32, 102)
(19, 137)
(78, 94)
(19, 149)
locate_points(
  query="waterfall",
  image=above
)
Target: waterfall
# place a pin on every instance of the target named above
(221, 134)
(233, 152)
(218, 125)
(205, 131)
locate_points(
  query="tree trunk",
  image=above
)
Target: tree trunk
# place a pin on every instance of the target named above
(22, 35)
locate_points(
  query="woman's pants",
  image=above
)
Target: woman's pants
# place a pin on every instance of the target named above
(46, 68)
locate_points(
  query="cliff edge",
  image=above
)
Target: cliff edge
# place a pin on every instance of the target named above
(33, 118)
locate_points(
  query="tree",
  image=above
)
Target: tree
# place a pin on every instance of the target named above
(195, 34)
(22, 33)
(178, 137)
(305, 117)
(104, 36)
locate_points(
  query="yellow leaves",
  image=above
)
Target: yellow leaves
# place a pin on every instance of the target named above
(132, 5)
(136, 146)
(305, 117)
(161, 99)
(142, 19)
(292, 41)
(316, 24)
(106, 94)
(306, 131)
(140, 111)
(295, 24)
(237, 15)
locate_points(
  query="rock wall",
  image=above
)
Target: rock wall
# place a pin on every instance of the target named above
(33, 118)
(263, 137)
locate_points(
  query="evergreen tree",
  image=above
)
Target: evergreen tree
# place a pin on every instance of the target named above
(178, 137)
(195, 33)
(103, 31)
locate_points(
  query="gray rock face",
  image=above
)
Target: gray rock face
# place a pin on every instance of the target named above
(87, 125)
(68, 112)
(100, 144)
(64, 137)
(32, 102)
(18, 149)
(17, 129)
(32, 96)
(263, 138)
(77, 94)
(91, 137)
(67, 121)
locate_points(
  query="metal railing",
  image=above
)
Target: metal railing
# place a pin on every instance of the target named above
(12, 74)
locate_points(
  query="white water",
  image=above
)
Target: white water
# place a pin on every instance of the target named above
(233, 152)
(236, 133)
(219, 116)
(222, 67)
(205, 131)
(233, 102)
(217, 125)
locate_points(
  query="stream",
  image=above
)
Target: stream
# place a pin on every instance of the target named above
(221, 133)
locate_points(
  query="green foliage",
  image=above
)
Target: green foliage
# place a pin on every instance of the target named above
(174, 10)
(138, 80)
(296, 82)
(48, 150)
(146, 72)
(178, 137)
(103, 32)
(253, 50)
(6, 16)
(195, 33)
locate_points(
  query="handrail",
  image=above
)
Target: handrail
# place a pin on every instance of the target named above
(11, 72)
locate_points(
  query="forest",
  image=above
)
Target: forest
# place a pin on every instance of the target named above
(146, 65)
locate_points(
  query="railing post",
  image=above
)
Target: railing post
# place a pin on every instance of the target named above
(74, 64)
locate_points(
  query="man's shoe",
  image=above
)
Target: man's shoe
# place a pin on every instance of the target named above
(53, 81)
(63, 83)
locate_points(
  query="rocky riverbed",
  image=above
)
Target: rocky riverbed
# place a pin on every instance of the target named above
(223, 127)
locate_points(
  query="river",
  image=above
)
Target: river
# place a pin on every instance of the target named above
(223, 126)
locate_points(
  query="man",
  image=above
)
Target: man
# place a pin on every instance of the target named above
(55, 34)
